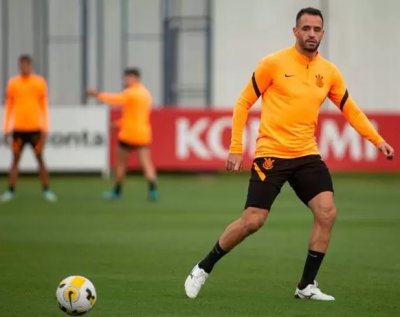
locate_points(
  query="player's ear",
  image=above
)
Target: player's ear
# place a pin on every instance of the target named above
(294, 31)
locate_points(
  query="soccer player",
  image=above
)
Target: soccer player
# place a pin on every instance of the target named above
(26, 122)
(135, 130)
(293, 83)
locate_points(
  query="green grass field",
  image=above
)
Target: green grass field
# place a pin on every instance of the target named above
(138, 254)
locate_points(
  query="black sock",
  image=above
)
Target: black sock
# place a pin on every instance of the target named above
(213, 257)
(313, 262)
(118, 188)
(44, 188)
(11, 188)
(152, 185)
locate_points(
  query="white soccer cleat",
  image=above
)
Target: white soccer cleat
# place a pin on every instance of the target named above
(7, 196)
(312, 291)
(195, 281)
(49, 196)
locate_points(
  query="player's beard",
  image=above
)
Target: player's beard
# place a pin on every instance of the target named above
(310, 47)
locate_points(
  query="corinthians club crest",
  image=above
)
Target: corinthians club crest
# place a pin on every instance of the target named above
(268, 163)
(319, 80)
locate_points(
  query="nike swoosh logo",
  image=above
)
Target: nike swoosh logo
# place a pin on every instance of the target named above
(286, 75)
(310, 296)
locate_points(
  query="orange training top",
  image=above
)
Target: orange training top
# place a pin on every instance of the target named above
(136, 102)
(292, 88)
(26, 104)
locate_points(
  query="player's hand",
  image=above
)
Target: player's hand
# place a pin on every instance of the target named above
(7, 138)
(387, 150)
(92, 92)
(234, 162)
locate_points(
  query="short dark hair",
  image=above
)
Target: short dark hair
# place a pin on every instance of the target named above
(310, 11)
(25, 58)
(132, 72)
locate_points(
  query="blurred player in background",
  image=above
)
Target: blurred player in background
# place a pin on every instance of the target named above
(26, 122)
(135, 130)
(293, 84)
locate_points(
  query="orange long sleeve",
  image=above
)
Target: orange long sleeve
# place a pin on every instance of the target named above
(259, 82)
(353, 114)
(112, 99)
(8, 110)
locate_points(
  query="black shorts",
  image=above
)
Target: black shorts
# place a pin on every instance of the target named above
(129, 146)
(21, 138)
(307, 175)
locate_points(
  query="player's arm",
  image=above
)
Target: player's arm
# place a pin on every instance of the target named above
(112, 99)
(45, 109)
(8, 110)
(354, 115)
(261, 79)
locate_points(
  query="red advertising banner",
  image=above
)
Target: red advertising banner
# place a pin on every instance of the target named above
(197, 140)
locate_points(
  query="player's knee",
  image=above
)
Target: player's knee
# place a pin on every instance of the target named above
(148, 171)
(39, 158)
(16, 158)
(326, 213)
(253, 219)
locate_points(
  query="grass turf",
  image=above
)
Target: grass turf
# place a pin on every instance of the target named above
(138, 254)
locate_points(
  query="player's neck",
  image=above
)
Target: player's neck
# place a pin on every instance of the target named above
(310, 55)
(134, 84)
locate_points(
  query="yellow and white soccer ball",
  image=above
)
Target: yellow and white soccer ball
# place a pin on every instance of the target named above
(76, 295)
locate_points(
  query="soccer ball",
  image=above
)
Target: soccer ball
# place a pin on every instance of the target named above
(76, 295)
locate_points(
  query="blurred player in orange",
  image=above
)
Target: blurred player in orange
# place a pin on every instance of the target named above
(135, 130)
(26, 122)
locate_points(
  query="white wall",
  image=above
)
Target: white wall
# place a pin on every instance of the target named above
(144, 42)
(365, 44)
(361, 38)
(112, 44)
(243, 33)
(20, 31)
(65, 51)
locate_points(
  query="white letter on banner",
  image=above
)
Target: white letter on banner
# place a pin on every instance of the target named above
(215, 137)
(188, 138)
(371, 152)
(339, 143)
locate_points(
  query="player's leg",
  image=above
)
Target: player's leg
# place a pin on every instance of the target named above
(123, 152)
(149, 171)
(38, 141)
(120, 171)
(17, 146)
(313, 185)
(264, 186)
(324, 211)
(262, 192)
(251, 221)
